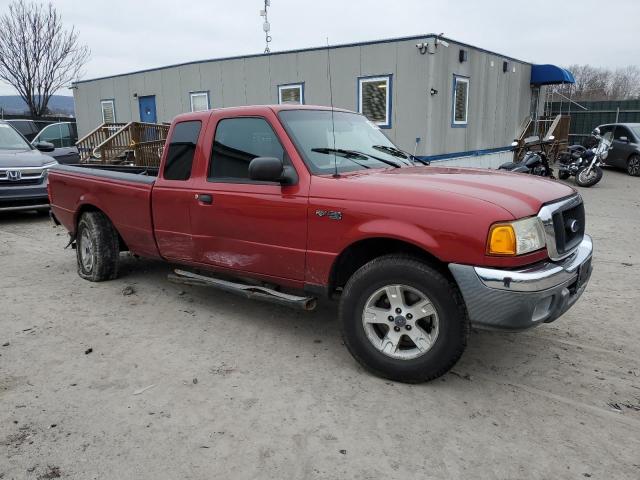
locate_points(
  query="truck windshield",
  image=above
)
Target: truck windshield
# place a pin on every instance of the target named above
(11, 140)
(358, 141)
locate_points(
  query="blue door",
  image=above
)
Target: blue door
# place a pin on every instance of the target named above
(147, 108)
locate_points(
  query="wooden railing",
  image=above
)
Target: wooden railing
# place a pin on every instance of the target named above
(133, 143)
(544, 127)
(95, 137)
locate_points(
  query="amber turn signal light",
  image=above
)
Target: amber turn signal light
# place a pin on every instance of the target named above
(502, 240)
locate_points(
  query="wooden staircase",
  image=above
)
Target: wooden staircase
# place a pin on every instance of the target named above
(133, 143)
(544, 128)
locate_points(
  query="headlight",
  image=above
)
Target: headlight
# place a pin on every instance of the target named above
(45, 171)
(516, 238)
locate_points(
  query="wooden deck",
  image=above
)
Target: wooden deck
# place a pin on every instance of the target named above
(133, 143)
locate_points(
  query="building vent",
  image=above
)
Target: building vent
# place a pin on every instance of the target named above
(505, 67)
(463, 55)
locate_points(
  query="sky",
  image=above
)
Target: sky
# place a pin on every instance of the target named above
(129, 35)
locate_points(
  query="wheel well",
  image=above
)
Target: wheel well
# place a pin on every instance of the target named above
(362, 252)
(92, 208)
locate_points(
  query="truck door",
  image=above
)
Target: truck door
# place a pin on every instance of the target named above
(172, 193)
(243, 225)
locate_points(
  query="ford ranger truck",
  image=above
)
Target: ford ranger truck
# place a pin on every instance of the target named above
(303, 202)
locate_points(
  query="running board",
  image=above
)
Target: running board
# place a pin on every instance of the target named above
(248, 291)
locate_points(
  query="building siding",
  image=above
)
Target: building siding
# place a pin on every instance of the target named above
(497, 101)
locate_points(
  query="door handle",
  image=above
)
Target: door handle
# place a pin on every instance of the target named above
(204, 198)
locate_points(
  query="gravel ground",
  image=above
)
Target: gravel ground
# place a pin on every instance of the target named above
(191, 383)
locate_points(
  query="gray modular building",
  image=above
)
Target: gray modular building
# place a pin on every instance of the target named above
(443, 99)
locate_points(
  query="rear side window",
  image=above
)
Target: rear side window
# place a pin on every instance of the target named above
(621, 132)
(25, 128)
(237, 142)
(182, 147)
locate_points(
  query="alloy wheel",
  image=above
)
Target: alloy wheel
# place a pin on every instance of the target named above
(400, 322)
(86, 251)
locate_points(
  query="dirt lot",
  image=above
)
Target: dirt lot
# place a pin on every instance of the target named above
(190, 383)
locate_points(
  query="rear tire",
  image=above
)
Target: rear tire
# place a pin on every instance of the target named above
(563, 175)
(429, 311)
(591, 180)
(97, 247)
(633, 166)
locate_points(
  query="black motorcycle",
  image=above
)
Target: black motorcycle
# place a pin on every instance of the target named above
(584, 163)
(533, 162)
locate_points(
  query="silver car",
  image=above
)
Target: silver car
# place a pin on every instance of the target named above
(625, 151)
(23, 171)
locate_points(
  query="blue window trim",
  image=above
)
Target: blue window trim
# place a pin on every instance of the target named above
(289, 85)
(453, 102)
(469, 153)
(389, 78)
(113, 101)
(195, 93)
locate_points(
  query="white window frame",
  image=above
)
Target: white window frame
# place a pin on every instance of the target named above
(377, 78)
(198, 94)
(291, 86)
(454, 122)
(113, 108)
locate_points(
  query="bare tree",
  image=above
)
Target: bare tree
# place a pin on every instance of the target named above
(593, 83)
(625, 83)
(37, 55)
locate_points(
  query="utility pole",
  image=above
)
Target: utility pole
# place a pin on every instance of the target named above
(266, 26)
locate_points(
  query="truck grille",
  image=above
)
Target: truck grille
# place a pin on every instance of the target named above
(564, 225)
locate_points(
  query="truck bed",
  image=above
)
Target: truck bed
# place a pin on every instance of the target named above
(122, 192)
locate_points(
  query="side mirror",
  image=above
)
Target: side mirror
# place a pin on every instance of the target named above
(624, 139)
(44, 146)
(266, 169)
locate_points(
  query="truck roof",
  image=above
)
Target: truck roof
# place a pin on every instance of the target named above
(253, 110)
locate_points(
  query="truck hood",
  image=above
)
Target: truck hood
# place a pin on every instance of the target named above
(23, 158)
(520, 194)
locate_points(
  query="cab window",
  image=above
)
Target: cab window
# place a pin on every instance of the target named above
(181, 149)
(238, 141)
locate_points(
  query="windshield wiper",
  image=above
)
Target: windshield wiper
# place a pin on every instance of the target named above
(396, 152)
(350, 154)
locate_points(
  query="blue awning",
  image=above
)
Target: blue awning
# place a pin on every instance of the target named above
(550, 75)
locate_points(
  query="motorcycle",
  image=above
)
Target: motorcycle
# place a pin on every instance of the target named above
(584, 163)
(533, 162)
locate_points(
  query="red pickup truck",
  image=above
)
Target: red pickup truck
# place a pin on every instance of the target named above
(302, 202)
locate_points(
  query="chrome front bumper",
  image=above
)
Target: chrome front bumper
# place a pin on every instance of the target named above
(523, 298)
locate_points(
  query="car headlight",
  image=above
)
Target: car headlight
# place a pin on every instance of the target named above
(45, 171)
(516, 238)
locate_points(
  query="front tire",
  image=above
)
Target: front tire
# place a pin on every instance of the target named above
(584, 180)
(97, 247)
(403, 320)
(633, 166)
